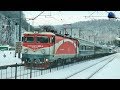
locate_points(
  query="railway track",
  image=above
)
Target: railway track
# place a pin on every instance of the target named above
(107, 60)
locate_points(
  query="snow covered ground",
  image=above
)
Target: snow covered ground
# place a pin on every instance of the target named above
(110, 71)
(8, 58)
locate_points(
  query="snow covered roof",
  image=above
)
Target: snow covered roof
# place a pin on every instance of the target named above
(50, 33)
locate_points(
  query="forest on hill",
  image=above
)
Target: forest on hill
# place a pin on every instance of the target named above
(15, 15)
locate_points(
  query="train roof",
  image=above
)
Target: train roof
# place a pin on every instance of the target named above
(47, 33)
(4, 46)
(28, 33)
(50, 33)
(103, 46)
(85, 42)
(66, 36)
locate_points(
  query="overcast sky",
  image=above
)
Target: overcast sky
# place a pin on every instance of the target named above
(65, 17)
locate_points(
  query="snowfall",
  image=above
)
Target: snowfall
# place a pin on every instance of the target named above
(110, 71)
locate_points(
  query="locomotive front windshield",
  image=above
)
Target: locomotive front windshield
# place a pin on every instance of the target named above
(42, 39)
(28, 39)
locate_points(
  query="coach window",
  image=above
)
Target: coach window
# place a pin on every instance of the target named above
(42, 39)
(89, 48)
(82, 47)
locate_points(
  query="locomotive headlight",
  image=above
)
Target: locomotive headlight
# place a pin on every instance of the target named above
(25, 50)
(46, 60)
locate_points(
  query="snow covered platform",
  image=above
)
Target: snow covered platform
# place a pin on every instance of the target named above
(110, 70)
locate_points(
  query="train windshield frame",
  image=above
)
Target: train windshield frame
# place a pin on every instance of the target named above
(42, 39)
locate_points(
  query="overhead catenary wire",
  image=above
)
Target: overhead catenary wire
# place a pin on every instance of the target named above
(46, 16)
(62, 20)
(38, 15)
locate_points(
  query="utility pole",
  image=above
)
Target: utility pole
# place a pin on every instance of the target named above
(29, 27)
(71, 30)
(89, 38)
(119, 36)
(20, 26)
(79, 32)
(94, 45)
(20, 12)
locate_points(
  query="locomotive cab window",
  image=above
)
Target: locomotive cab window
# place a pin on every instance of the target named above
(28, 39)
(42, 39)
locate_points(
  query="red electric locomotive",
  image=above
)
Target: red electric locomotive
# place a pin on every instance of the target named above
(44, 48)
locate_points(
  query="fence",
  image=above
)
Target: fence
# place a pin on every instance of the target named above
(19, 71)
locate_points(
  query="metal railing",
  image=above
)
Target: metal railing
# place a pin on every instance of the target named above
(20, 71)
